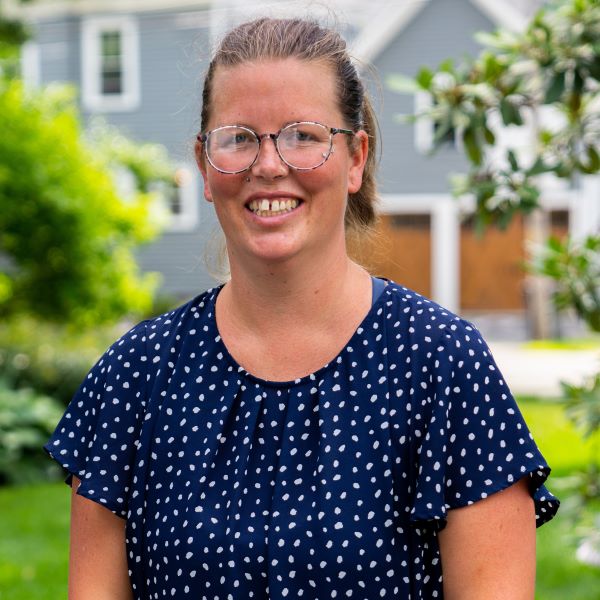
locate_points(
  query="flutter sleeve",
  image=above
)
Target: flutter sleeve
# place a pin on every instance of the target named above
(476, 442)
(97, 436)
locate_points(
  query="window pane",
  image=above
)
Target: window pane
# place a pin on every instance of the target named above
(111, 43)
(111, 63)
(175, 201)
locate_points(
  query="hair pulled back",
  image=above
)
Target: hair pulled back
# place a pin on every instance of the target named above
(269, 38)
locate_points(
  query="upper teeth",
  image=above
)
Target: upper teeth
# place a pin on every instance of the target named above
(271, 206)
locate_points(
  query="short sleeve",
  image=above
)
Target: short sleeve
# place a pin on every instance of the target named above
(477, 441)
(98, 434)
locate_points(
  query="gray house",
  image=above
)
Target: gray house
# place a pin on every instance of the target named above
(140, 63)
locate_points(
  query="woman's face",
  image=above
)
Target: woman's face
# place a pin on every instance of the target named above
(265, 96)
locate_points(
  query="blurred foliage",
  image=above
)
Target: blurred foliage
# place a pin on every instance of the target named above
(13, 33)
(575, 268)
(544, 82)
(48, 357)
(66, 233)
(27, 419)
(554, 63)
(583, 407)
(74, 206)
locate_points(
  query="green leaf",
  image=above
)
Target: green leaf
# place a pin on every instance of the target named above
(538, 167)
(472, 146)
(489, 136)
(404, 118)
(512, 159)
(511, 115)
(556, 88)
(424, 78)
(401, 84)
(447, 66)
(593, 159)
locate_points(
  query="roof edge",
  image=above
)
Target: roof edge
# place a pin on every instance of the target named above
(503, 14)
(379, 32)
(49, 10)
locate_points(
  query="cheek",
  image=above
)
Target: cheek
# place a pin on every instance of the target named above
(223, 188)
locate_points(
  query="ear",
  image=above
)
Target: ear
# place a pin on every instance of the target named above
(201, 162)
(358, 160)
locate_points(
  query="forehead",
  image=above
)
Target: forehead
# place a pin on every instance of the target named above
(274, 91)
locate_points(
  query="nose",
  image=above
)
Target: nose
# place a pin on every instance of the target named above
(268, 163)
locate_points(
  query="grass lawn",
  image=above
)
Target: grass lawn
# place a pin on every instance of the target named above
(35, 530)
(34, 521)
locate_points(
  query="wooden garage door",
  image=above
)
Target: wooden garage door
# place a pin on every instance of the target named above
(401, 250)
(491, 267)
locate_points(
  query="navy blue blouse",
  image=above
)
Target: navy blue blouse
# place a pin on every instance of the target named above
(333, 485)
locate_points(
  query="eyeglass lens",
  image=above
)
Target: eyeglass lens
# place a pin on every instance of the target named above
(300, 145)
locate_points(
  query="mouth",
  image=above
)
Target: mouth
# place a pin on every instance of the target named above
(272, 207)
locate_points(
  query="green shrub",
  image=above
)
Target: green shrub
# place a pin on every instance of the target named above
(68, 233)
(27, 420)
(49, 358)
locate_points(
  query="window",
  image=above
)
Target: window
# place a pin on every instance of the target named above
(30, 64)
(425, 130)
(180, 198)
(110, 64)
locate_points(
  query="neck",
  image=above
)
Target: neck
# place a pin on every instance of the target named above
(299, 293)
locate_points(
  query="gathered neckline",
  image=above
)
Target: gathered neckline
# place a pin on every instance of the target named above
(373, 310)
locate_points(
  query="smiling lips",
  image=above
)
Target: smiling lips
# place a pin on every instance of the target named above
(271, 208)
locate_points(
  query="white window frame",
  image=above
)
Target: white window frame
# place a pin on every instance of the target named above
(187, 219)
(30, 64)
(92, 97)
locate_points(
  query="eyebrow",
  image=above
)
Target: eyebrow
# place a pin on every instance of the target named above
(242, 124)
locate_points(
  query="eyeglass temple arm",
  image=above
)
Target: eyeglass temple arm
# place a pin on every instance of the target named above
(335, 130)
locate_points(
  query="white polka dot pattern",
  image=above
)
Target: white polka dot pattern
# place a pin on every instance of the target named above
(330, 486)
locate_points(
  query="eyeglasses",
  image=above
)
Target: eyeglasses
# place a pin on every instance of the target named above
(303, 146)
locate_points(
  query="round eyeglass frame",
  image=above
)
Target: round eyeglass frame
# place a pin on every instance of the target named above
(203, 138)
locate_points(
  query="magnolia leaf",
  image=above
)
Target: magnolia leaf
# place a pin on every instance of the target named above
(447, 66)
(424, 78)
(538, 167)
(510, 113)
(472, 146)
(593, 158)
(555, 89)
(404, 118)
(489, 136)
(401, 84)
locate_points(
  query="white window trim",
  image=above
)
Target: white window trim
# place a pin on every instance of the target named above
(187, 219)
(30, 64)
(92, 97)
(423, 126)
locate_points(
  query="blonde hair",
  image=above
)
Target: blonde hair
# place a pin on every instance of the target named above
(268, 38)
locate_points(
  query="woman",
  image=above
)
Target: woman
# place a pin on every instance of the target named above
(304, 430)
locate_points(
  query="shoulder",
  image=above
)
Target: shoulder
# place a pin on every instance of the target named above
(176, 321)
(418, 317)
(150, 340)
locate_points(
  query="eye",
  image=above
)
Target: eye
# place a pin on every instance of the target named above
(300, 134)
(304, 134)
(232, 139)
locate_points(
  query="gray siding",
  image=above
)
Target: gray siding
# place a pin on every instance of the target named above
(443, 29)
(171, 69)
(172, 63)
(174, 55)
(59, 51)
(179, 256)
